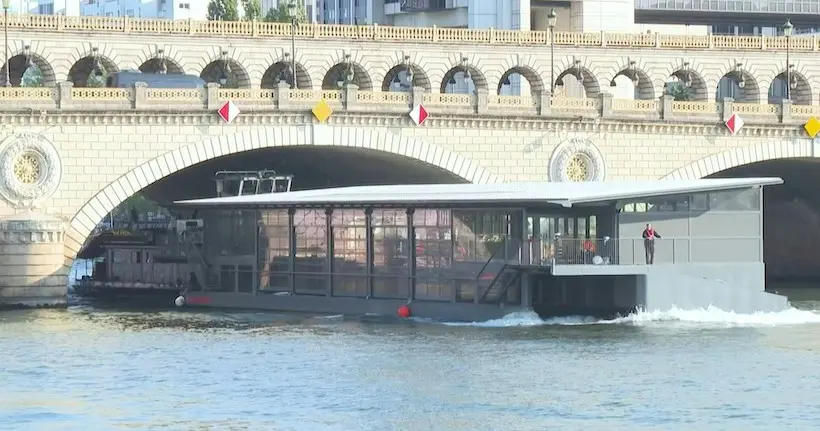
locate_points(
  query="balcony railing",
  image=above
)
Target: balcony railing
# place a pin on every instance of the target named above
(350, 99)
(82, 25)
(621, 251)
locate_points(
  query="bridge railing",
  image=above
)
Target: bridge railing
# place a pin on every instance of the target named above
(351, 99)
(244, 29)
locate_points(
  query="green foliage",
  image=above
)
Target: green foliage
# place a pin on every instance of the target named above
(678, 91)
(253, 9)
(96, 79)
(32, 77)
(282, 14)
(223, 10)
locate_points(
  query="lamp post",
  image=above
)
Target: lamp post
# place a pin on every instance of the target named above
(552, 17)
(787, 31)
(6, 6)
(292, 12)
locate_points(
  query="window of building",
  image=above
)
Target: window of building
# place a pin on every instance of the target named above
(46, 9)
(185, 6)
(129, 13)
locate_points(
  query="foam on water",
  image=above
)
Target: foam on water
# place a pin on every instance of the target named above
(711, 316)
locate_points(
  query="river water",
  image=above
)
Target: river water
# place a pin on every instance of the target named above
(87, 368)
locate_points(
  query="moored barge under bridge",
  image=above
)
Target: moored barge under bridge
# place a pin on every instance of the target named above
(476, 252)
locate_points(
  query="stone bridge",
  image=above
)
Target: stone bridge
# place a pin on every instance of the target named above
(257, 55)
(76, 153)
(73, 154)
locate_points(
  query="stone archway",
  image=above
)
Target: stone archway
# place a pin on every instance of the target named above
(138, 178)
(739, 156)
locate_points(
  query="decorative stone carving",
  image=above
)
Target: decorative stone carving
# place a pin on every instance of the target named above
(30, 169)
(577, 160)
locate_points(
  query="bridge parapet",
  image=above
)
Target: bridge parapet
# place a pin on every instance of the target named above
(349, 99)
(403, 35)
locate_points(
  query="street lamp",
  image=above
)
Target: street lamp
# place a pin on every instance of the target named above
(293, 23)
(552, 17)
(787, 31)
(6, 6)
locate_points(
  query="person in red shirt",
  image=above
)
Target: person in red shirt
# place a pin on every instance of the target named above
(649, 235)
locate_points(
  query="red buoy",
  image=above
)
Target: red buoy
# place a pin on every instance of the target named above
(404, 312)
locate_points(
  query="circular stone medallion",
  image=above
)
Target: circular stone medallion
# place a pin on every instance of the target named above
(577, 160)
(30, 169)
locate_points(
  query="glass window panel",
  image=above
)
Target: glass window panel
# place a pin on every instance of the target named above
(310, 227)
(391, 254)
(349, 227)
(434, 254)
(274, 251)
(699, 202)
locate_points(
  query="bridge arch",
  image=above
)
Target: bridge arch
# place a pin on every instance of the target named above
(738, 81)
(21, 56)
(739, 156)
(303, 136)
(582, 76)
(464, 75)
(800, 89)
(92, 63)
(634, 70)
(340, 65)
(526, 68)
(690, 76)
(152, 57)
(396, 77)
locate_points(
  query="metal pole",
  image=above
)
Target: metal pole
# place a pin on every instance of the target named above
(6, 44)
(552, 60)
(293, 51)
(788, 71)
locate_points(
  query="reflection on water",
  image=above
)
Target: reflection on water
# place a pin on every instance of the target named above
(107, 369)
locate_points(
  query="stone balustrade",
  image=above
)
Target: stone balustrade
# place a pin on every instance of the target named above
(351, 99)
(402, 35)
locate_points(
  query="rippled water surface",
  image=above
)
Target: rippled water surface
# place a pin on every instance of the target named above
(93, 369)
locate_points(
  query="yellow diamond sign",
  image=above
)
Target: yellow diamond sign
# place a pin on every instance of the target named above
(322, 111)
(812, 127)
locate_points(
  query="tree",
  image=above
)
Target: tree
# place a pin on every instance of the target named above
(281, 13)
(32, 77)
(97, 78)
(253, 9)
(223, 10)
(678, 91)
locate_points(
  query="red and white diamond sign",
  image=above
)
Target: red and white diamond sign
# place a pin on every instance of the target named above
(419, 114)
(228, 112)
(734, 124)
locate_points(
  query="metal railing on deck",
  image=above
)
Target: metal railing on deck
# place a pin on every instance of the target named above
(614, 251)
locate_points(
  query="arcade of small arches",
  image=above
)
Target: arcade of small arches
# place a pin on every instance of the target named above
(575, 78)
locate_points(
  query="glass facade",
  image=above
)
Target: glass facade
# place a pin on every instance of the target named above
(729, 200)
(422, 254)
(755, 6)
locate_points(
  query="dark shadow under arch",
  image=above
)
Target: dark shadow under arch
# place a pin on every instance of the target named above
(584, 77)
(154, 65)
(693, 86)
(396, 78)
(528, 73)
(21, 63)
(336, 76)
(800, 92)
(282, 71)
(96, 65)
(228, 73)
(457, 73)
(740, 85)
(644, 88)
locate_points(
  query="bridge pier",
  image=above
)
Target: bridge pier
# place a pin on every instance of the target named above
(32, 269)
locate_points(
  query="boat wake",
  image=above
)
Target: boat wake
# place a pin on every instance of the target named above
(710, 316)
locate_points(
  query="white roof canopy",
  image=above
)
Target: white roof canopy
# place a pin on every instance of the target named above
(566, 194)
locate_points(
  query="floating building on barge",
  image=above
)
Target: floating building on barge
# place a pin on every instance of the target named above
(474, 252)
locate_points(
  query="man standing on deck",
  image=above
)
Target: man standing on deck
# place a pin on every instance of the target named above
(649, 235)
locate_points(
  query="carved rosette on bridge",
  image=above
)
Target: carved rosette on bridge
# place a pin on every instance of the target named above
(577, 160)
(30, 169)
(32, 249)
